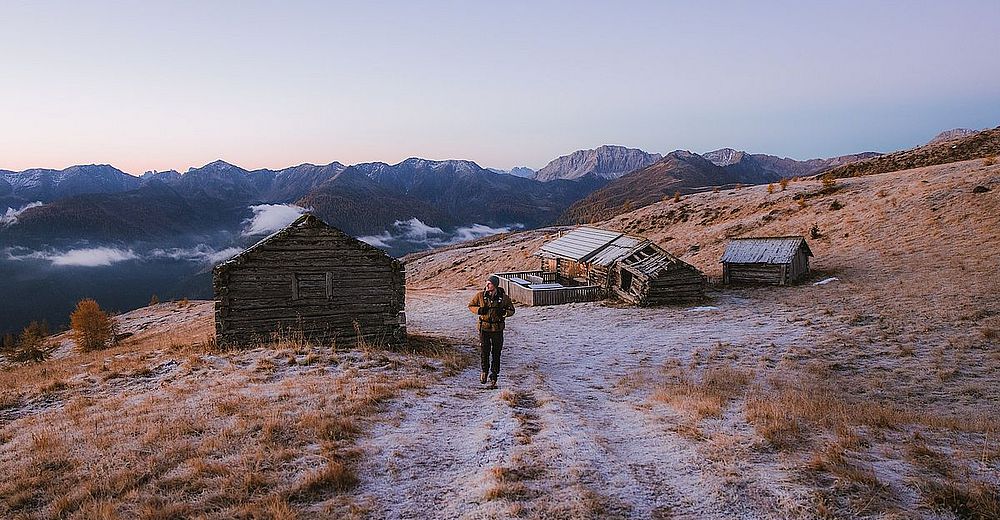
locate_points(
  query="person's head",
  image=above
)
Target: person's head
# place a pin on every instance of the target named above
(492, 282)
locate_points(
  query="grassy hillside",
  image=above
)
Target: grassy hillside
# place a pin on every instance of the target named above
(975, 146)
(891, 404)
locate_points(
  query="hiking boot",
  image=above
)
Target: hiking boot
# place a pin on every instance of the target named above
(493, 383)
(482, 378)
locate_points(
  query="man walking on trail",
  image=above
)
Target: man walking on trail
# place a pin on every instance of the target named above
(493, 307)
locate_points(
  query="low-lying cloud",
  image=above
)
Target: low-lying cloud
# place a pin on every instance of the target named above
(9, 217)
(199, 253)
(85, 257)
(105, 256)
(268, 218)
(415, 232)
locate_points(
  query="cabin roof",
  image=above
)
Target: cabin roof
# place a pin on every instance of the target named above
(618, 248)
(650, 259)
(307, 220)
(579, 245)
(764, 250)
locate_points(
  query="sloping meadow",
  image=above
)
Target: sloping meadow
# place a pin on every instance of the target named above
(167, 427)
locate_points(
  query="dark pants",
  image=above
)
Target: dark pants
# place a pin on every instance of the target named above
(492, 343)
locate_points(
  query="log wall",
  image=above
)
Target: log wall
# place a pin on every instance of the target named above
(773, 274)
(316, 281)
(676, 284)
(800, 266)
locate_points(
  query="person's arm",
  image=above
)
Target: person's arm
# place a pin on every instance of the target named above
(509, 307)
(476, 305)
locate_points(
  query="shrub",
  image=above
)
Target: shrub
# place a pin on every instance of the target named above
(770, 188)
(829, 182)
(784, 183)
(989, 161)
(154, 300)
(92, 327)
(814, 232)
(9, 342)
(677, 196)
(30, 342)
(835, 205)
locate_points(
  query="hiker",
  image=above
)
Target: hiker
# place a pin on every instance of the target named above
(493, 306)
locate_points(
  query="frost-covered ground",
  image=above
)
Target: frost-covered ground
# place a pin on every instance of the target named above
(577, 444)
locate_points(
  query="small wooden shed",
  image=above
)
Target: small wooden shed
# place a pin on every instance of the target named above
(312, 279)
(766, 260)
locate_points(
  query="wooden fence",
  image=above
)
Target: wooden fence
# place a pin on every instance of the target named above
(547, 296)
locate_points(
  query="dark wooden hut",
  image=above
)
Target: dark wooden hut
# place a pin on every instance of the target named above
(648, 275)
(312, 279)
(766, 260)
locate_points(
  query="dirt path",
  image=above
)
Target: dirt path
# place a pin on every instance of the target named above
(558, 440)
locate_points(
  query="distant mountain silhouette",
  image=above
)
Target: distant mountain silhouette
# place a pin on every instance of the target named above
(361, 199)
(443, 193)
(684, 172)
(517, 171)
(679, 171)
(950, 135)
(605, 162)
(45, 185)
(763, 168)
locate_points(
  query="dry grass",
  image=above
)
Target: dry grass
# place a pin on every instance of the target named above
(700, 394)
(508, 485)
(790, 409)
(814, 418)
(524, 404)
(162, 429)
(964, 499)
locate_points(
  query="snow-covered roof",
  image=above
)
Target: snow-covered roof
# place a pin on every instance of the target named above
(579, 245)
(616, 249)
(764, 250)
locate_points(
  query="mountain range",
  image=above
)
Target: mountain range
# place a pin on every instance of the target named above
(682, 172)
(101, 203)
(95, 231)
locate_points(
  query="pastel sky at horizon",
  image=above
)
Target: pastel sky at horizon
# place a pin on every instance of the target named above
(170, 85)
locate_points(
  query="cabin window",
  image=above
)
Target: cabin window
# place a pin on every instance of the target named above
(295, 286)
(626, 280)
(329, 286)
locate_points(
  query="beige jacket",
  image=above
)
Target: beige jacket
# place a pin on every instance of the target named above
(498, 307)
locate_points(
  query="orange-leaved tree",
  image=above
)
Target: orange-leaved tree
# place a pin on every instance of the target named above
(92, 327)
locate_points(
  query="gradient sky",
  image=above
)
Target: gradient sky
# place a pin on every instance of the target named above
(169, 85)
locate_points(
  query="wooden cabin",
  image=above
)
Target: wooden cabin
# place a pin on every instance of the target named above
(631, 268)
(569, 256)
(766, 260)
(312, 279)
(648, 275)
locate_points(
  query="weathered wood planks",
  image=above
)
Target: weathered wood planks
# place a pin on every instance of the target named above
(310, 279)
